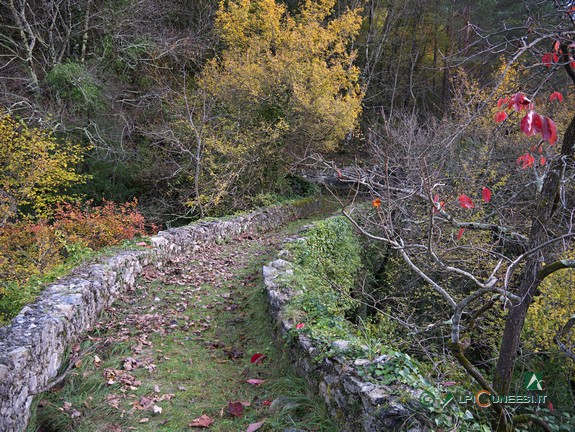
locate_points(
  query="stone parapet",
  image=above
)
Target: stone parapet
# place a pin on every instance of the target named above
(34, 346)
(357, 405)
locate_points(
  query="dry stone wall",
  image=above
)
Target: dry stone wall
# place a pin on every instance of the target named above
(34, 346)
(357, 405)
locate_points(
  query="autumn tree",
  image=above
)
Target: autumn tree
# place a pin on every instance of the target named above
(283, 85)
(290, 72)
(36, 169)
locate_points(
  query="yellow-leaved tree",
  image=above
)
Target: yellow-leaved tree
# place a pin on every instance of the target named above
(35, 168)
(290, 73)
(284, 85)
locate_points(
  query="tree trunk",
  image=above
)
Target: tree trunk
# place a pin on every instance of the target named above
(529, 280)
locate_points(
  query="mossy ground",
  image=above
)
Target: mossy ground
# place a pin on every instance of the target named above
(181, 343)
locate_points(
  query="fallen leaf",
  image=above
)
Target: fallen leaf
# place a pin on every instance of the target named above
(255, 382)
(203, 421)
(113, 401)
(235, 409)
(254, 426)
(166, 396)
(145, 420)
(156, 409)
(257, 358)
(146, 402)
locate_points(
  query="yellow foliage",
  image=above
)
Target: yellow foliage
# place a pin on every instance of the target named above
(35, 168)
(296, 71)
(551, 310)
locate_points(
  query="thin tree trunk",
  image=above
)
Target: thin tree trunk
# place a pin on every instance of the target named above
(85, 35)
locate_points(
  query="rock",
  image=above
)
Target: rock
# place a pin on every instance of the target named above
(341, 345)
(381, 359)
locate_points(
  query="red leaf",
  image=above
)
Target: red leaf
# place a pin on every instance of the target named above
(266, 403)
(532, 123)
(519, 102)
(555, 58)
(255, 382)
(376, 203)
(486, 195)
(542, 161)
(502, 101)
(556, 95)
(339, 174)
(549, 130)
(556, 47)
(466, 202)
(253, 427)
(257, 358)
(553, 139)
(537, 123)
(500, 116)
(525, 161)
(526, 124)
(203, 421)
(550, 406)
(300, 326)
(460, 233)
(546, 60)
(235, 409)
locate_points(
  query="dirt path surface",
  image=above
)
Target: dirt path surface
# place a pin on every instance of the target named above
(189, 348)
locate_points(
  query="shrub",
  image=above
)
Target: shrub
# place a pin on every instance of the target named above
(98, 226)
(36, 169)
(32, 251)
(73, 83)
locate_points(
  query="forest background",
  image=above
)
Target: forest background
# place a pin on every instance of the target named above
(120, 116)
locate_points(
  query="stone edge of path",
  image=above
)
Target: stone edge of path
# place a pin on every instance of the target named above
(356, 405)
(33, 346)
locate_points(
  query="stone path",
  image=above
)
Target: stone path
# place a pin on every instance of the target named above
(190, 346)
